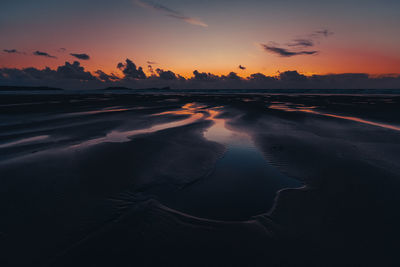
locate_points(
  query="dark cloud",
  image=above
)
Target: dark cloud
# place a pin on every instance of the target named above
(283, 52)
(106, 77)
(43, 54)
(74, 76)
(209, 77)
(259, 77)
(170, 12)
(151, 62)
(301, 43)
(81, 56)
(67, 71)
(74, 71)
(298, 45)
(242, 67)
(11, 51)
(43, 74)
(62, 50)
(69, 75)
(166, 75)
(292, 76)
(232, 76)
(130, 71)
(203, 76)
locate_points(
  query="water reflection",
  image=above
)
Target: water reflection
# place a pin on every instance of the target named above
(117, 136)
(242, 184)
(25, 141)
(301, 108)
(219, 132)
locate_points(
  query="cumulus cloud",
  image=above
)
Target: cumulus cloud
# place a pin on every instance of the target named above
(43, 54)
(212, 78)
(292, 76)
(170, 12)
(69, 75)
(130, 71)
(259, 77)
(166, 75)
(81, 56)
(106, 77)
(203, 76)
(74, 76)
(232, 76)
(283, 52)
(74, 71)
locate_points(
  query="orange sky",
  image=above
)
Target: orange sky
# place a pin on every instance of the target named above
(364, 40)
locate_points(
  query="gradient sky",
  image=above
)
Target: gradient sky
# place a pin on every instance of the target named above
(214, 36)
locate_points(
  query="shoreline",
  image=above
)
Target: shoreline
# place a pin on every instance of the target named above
(349, 171)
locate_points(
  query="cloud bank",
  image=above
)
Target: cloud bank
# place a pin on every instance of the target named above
(74, 76)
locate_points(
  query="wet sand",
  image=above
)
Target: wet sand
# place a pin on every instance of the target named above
(232, 180)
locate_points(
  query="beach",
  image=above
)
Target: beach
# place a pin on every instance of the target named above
(114, 179)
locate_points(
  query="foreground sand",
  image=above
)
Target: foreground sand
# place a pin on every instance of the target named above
(70, 201)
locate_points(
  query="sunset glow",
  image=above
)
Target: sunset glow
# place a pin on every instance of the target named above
(216, 37)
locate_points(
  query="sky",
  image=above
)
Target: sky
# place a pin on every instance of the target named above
(269, 37)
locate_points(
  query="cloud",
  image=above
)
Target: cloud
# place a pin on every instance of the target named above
(283, 52)
(74, 76)
(166, 75)
(203, 76)
(43, 54)
(11, 51)
(106, 77)
(69, 75)
(130, 71)
(298, 45)
(242, 67)
(232, 76)
(62, 50)
(292, 76)
(170, 12)
(74, 71)
(81, 56)
(259, 77)
(152, 62)
(322, 33)
(302, 43)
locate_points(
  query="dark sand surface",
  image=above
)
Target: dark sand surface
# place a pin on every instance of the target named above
(199, 180)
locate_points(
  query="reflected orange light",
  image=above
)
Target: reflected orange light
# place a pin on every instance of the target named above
(286, 107)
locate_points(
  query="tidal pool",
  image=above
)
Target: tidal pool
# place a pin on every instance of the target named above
(242, 184)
